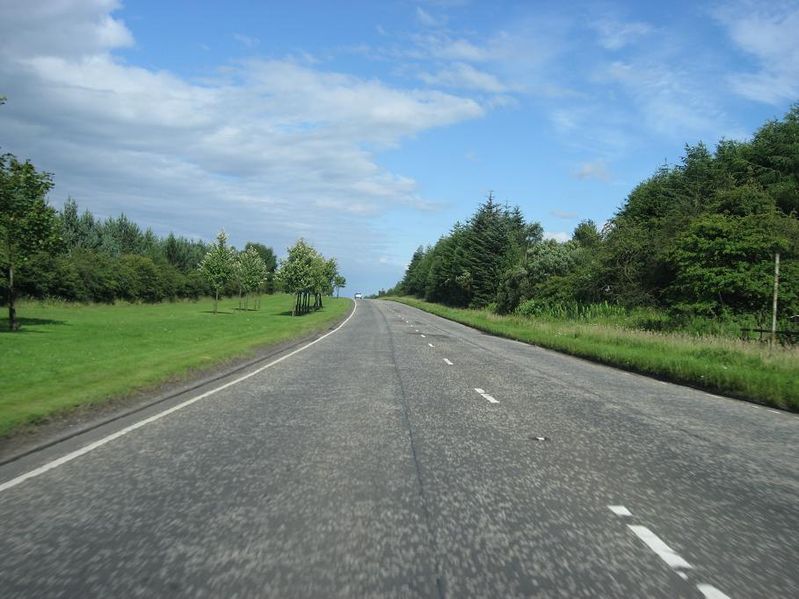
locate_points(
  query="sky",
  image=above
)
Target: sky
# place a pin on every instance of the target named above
(369, 128)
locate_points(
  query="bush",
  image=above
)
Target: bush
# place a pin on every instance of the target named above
(139, 279)
(97, 275)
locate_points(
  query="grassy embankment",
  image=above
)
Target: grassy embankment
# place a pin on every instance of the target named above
(68, 355)
(721, 365)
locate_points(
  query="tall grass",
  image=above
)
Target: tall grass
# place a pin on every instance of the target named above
(642, 318)
(721, 364)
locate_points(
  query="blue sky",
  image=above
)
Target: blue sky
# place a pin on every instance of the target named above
(369, 128)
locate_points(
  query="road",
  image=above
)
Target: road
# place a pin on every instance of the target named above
(407, 456)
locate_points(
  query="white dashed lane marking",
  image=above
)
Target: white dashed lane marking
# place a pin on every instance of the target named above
(486, 396)
(447, 361)
(656, 544)
(711, 592)
(430, 344)
(667, 554)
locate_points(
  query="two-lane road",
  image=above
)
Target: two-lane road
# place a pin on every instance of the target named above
(405, 455)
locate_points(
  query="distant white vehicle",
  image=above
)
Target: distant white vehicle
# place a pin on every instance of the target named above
(359, 296)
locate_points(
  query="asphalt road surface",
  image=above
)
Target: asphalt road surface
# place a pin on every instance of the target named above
(407, 456)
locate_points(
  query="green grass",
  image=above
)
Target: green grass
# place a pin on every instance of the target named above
(68, 355)
(719, 364)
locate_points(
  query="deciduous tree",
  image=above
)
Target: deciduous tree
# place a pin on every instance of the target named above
(27, 221)
(217, 265)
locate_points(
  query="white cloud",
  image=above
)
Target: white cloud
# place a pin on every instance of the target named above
(769, 32)
(519, 60)
(564, 214)
(271, 149)
(669, 100)
(246, 40)
(614, 35)
(560, 236)
(460, 75)
(425, 18)
(596, 170)
(65, 28)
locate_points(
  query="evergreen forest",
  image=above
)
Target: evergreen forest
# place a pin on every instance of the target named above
(696, 241)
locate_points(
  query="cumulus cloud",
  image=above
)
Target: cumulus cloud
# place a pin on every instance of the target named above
(61, 28)
(272, 149)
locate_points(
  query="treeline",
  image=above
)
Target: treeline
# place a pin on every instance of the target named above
(698, 238)
(96, 260)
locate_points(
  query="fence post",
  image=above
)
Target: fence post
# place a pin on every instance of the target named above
(776, 291)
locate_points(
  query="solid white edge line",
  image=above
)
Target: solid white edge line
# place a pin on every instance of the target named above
(100, 442)
(711, 592)
(620, 510)
(656, 544)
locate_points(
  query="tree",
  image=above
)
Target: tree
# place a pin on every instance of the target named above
(413, 282)
(269, 258)
(27, 222)
(296, 273)
(77, 230)
(326, 280)
(339, 283)
(217, 265)
(586, 234)
(726, 263)
(305, 272)
(251, 270)
(486, 245)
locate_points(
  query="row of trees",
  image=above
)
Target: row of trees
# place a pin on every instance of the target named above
(304, 272)
(77, 257)
(698, 238)
(45, 253)
(248, 269)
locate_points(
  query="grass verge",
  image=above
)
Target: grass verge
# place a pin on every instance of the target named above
(721, 365)
(69, 355)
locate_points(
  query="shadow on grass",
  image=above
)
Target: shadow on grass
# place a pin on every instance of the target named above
(24, 323)
(212, 312)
